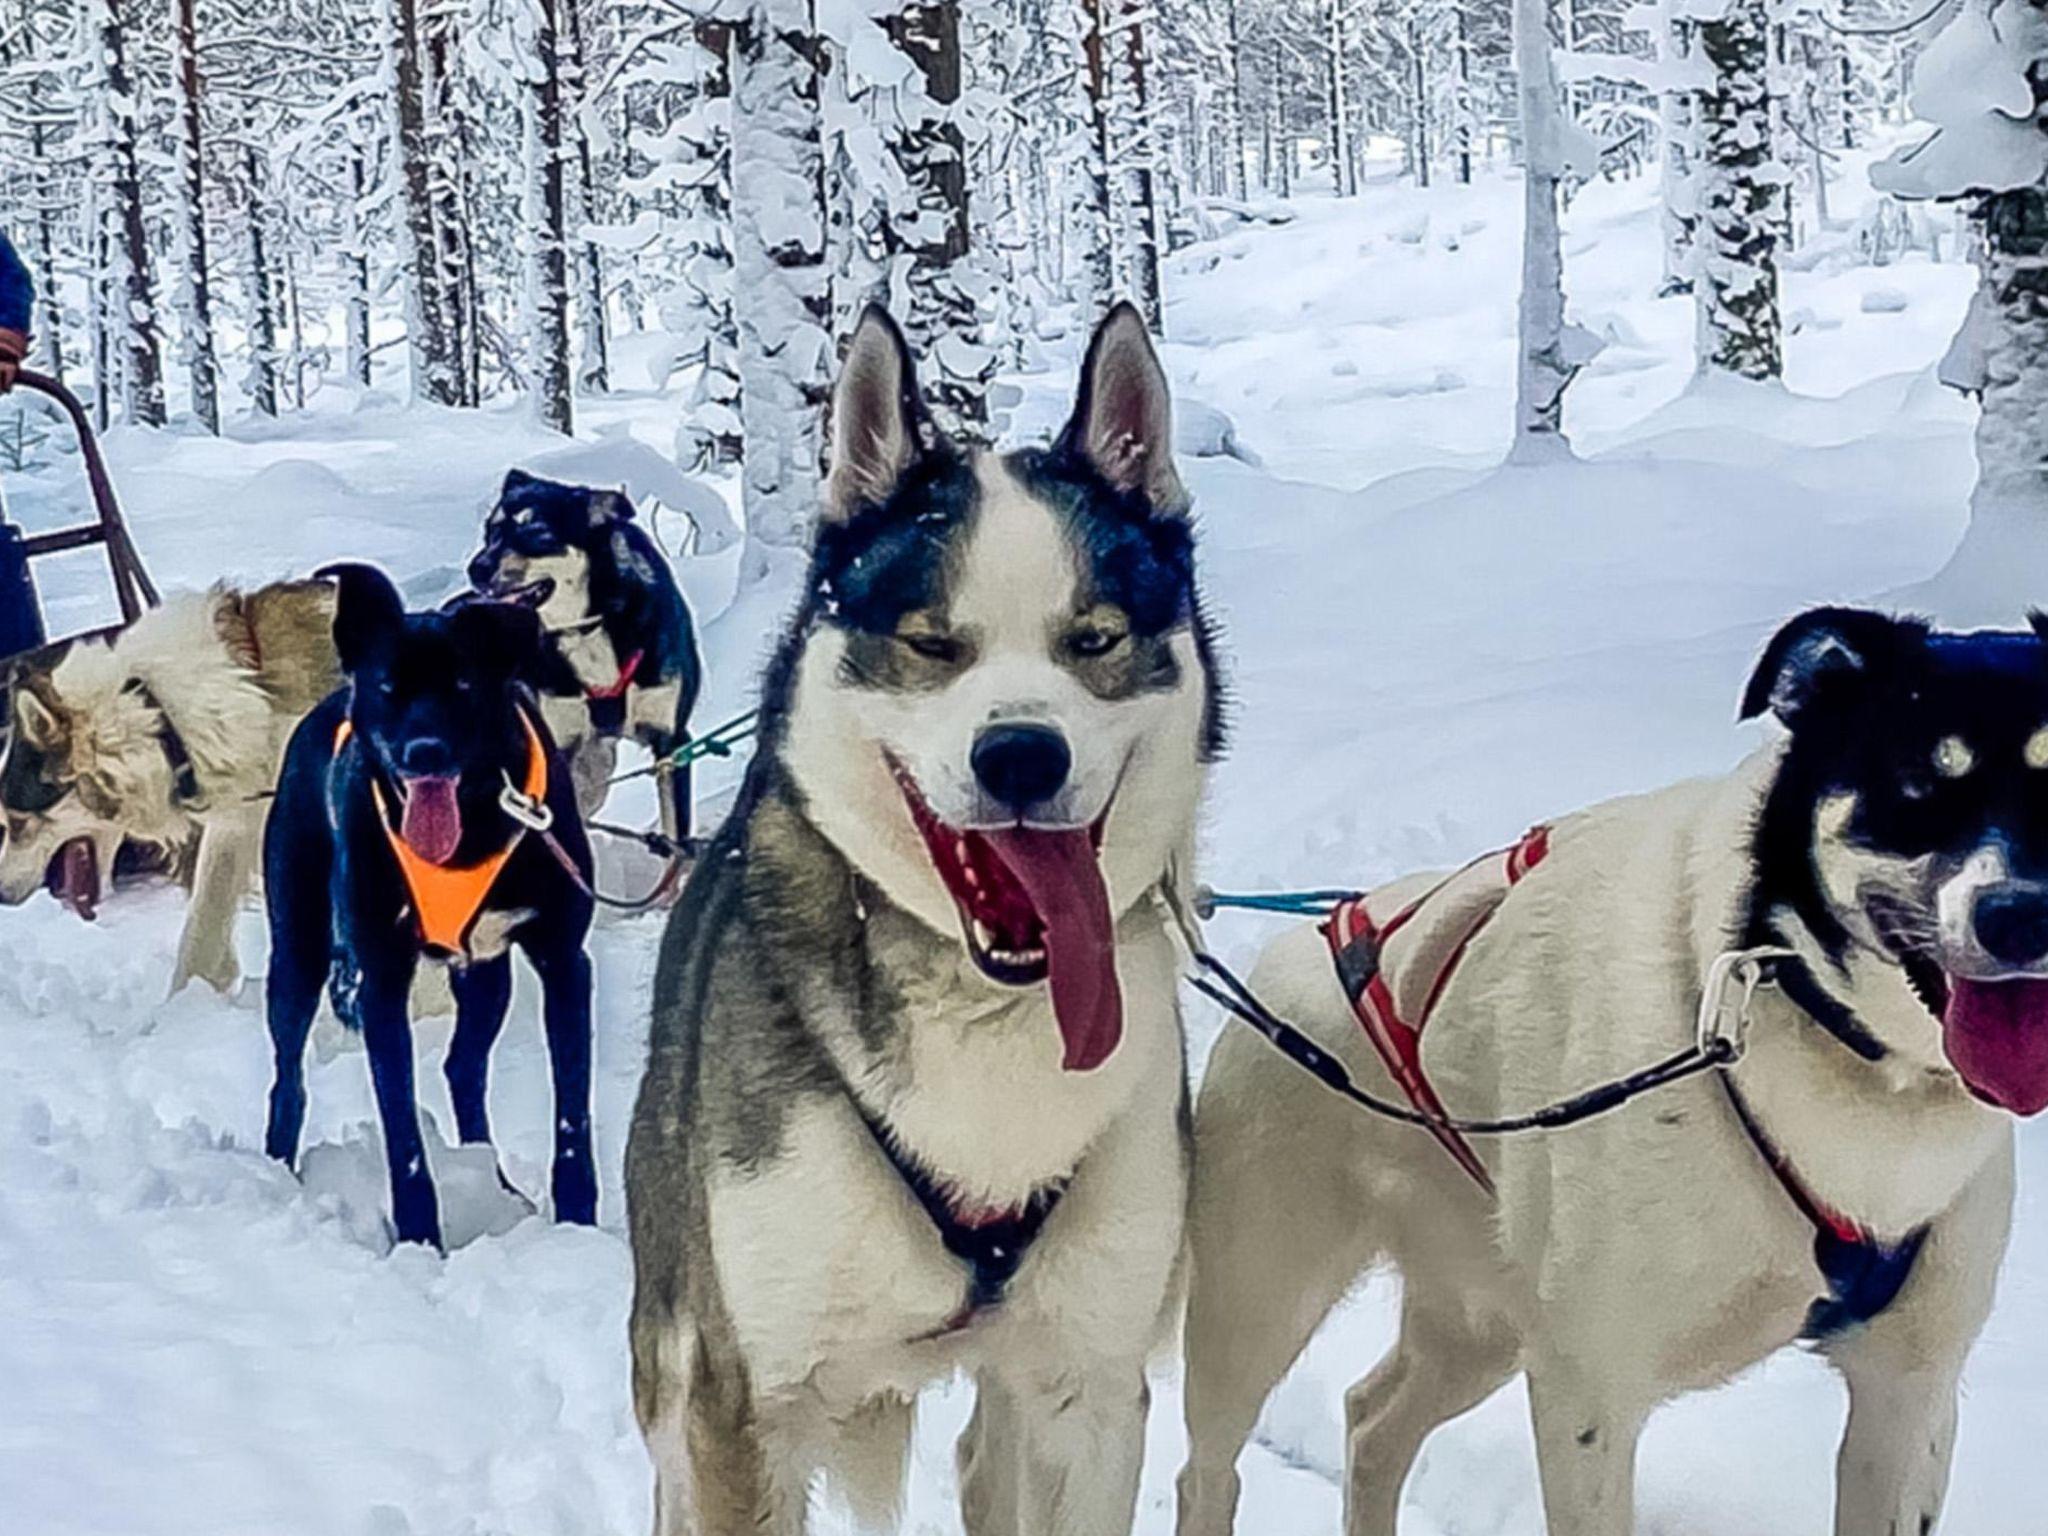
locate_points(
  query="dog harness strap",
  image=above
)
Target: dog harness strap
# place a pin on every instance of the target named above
(617, 688)
(1864, 1274)
(446, 901)
(1356, 948)
(1797, 982)
(184, 775)
(990, 1242)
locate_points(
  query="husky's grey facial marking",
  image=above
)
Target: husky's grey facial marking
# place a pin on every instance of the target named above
(1002, 671)
(1909, 825)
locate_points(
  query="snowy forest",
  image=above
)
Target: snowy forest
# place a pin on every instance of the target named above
(240, 206)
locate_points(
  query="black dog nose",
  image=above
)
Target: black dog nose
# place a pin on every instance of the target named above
(1020, 765)
(426, 757)
(482, 571)
(2012, 923)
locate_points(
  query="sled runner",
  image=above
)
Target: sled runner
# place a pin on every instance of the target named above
(22, 626)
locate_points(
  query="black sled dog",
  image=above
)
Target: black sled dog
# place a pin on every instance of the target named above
(424, 814)
(621, 660)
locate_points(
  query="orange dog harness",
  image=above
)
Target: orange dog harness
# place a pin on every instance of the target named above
(446, 900)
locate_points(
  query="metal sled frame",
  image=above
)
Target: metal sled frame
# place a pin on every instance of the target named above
(133, 589)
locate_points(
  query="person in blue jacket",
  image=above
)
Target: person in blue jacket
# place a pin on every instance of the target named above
(17, 302)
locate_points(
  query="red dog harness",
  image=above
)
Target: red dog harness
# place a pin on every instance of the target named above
(1357, 945)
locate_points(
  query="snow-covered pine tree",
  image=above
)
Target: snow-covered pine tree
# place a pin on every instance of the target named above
(1091, 209)
(455, 164)
(781, 295)
(1551, 350)
(593, 368)
(1983, 83)
(194, 289)
(1679, 110)
(1134, 143)
(131, 313)
(436, 369)
(1741, 195)
(932, 233)
(546, 222)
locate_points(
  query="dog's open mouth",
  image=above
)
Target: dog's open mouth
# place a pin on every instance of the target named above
(529, 594)
(1034, 908)
(74, 877)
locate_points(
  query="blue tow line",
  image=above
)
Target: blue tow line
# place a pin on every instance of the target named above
(1282, 903)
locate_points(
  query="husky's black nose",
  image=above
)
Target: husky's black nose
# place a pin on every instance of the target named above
(426, 757)
(2012, 923)
(483, 570)
(1020, 765)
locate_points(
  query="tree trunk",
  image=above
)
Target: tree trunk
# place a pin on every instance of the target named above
(547, 210)
(1742, 200)
(594, 369)
(1420, 114)
(1092, 213)
(781, 295)
(1544, 371)
(49, 308)
(1467, 110)
(2011, 317)
(262, 296)
(356, 263)
(1141, 203)
(1337, 101)
(196, 312)
(711, 434)
(450, 160)
(134, 302)
(435, 367)
(1233, 140)
(1680, 211)
(936, 236)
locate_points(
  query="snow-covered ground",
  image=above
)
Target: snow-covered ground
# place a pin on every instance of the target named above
(1427, 654)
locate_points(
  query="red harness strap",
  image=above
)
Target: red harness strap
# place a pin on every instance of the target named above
(617, 689)
(1356, 945)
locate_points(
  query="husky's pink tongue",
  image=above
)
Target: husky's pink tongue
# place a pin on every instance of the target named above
(1059, 872)
(432, 821)
(1996, 1035)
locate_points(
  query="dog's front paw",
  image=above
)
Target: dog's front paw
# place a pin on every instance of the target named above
(575, 1191)
(219, 972)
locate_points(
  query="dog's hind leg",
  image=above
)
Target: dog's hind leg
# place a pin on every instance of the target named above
(1902, 1367)
(565, 980)
(483, 992)
(870, 1454)
(1438, 1368)
(296, 859)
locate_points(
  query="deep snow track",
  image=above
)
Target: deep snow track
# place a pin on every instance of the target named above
(1426, 657)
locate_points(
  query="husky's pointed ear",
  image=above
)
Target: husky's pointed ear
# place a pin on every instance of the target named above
(367, 608)
(878, 418)
(1826, 659)
(516, 482)
(35, 719)
(2037, 621)
(1123, 416)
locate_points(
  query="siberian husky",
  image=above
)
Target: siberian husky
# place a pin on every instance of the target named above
(915, 1098)
(1849, 1182)
(173, 730)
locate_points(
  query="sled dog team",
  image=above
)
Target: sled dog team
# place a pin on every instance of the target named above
(916, 1098)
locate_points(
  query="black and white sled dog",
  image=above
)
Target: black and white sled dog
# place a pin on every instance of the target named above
(1848, 1182)
(623, 652)
(393, 839)
(914, 1101)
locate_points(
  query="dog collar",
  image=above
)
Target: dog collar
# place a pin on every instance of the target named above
(446, 901)
(617, 687)
(184, 775)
